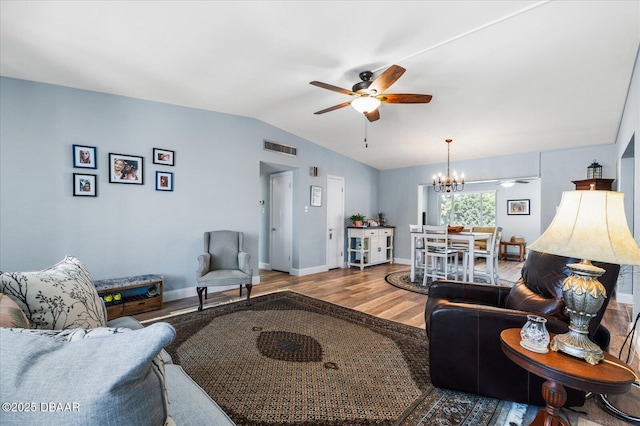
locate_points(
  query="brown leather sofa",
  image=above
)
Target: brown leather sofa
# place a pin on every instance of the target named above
(464, 321)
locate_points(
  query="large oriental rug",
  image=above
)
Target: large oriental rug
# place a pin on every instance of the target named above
(292, 360)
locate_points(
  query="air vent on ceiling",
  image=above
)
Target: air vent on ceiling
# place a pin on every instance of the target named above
(280, 148)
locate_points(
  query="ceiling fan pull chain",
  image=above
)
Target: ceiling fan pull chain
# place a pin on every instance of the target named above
(366, 144)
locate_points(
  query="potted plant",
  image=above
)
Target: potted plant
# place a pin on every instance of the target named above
(357, 219)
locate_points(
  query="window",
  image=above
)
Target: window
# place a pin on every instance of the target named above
(469, 209)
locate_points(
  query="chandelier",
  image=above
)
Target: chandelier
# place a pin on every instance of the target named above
(448, 183)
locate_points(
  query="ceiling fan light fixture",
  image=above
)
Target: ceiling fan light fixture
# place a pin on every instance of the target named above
(365, 104)
(507, 184)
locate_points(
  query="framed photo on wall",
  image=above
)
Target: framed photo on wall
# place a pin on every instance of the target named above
(84, 185)
(164, 181)
(316, 196)
(164, 156)
(85, 157)
(126, 169)
(518, 207)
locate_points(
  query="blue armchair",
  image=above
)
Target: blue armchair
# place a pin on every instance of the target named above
(223, 263)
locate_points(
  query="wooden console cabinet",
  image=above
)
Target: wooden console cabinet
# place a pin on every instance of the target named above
(141, 293)
(369, 246)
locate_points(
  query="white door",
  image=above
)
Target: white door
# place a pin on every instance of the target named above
(281, 221)
(335, 222)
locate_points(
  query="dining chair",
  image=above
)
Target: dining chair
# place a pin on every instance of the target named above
(441, 261)
(491, 255)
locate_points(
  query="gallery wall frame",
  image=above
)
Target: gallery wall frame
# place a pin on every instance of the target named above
(164, 181)
(164, 156)
(518, 207)
(85, 185)
(128, 169)
(316, 196)
(85, 157)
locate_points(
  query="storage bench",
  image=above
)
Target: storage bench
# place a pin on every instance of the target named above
(140, 293)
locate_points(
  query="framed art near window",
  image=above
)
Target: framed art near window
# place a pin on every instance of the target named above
(85, 157)
(518, 207)
(164, 156)
(316, 196)
(84, 185)
(126, 169)
(164, 181)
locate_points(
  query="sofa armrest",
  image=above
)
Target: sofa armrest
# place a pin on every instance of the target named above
(204, 262)
(465, 353)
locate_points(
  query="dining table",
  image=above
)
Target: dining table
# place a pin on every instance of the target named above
(460, 238)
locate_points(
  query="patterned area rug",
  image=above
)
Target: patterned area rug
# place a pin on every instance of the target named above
(402, 279)
(292, 360)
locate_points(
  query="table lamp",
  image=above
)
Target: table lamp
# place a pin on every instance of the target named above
(592, 226)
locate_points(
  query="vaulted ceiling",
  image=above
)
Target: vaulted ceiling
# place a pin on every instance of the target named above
(506, 76)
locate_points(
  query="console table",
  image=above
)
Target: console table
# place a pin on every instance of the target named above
(611, 376)
(369, 246)
(140, 293)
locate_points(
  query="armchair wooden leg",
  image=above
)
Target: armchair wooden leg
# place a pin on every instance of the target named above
(200, 290)
(249, 287)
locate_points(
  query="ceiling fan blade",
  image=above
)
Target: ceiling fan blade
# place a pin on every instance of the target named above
(333, 108)
(373, 115)
(404, 98)
(387, 78)
(333, 88)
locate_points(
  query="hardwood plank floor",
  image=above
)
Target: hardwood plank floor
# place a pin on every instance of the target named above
(367, 291)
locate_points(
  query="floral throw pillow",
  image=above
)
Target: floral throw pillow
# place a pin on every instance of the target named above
(57, 298)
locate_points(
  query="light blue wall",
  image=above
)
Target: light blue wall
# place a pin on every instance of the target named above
(133, 229)
(556, 171)
(629, 134)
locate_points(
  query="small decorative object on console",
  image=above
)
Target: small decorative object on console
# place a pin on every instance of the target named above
(534, 334)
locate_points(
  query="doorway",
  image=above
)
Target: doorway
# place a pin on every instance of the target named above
(335, 222)
(281, 221)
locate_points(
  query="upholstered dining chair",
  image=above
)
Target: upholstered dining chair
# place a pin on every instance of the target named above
(223, 263)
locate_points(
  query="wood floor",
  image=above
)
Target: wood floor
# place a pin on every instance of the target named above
(367, 291)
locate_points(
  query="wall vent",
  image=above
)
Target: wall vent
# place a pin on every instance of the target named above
(280, 148)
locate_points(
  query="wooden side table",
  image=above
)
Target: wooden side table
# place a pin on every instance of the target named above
(563, 370)
(504, 250)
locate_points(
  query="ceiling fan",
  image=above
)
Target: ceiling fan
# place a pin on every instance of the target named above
(369, 93)
(510, 182)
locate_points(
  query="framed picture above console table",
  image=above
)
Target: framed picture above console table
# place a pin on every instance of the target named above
(369, 246)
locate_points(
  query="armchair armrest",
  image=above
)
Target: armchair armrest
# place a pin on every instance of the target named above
(486, 294)
(243, 263)
(204, 263)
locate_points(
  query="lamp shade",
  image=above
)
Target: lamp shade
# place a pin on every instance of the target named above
(590, 225)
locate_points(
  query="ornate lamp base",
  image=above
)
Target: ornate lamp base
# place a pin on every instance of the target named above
(578, 345)
(584, 295)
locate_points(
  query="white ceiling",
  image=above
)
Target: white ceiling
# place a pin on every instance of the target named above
(506, 76)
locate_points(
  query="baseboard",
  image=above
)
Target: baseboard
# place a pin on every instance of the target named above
(400, 261)
(308, 271)
(264, 265)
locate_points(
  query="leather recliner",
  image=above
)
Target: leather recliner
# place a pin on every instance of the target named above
(464, 322)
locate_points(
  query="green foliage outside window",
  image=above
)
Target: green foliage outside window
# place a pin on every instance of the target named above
(469, 208)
